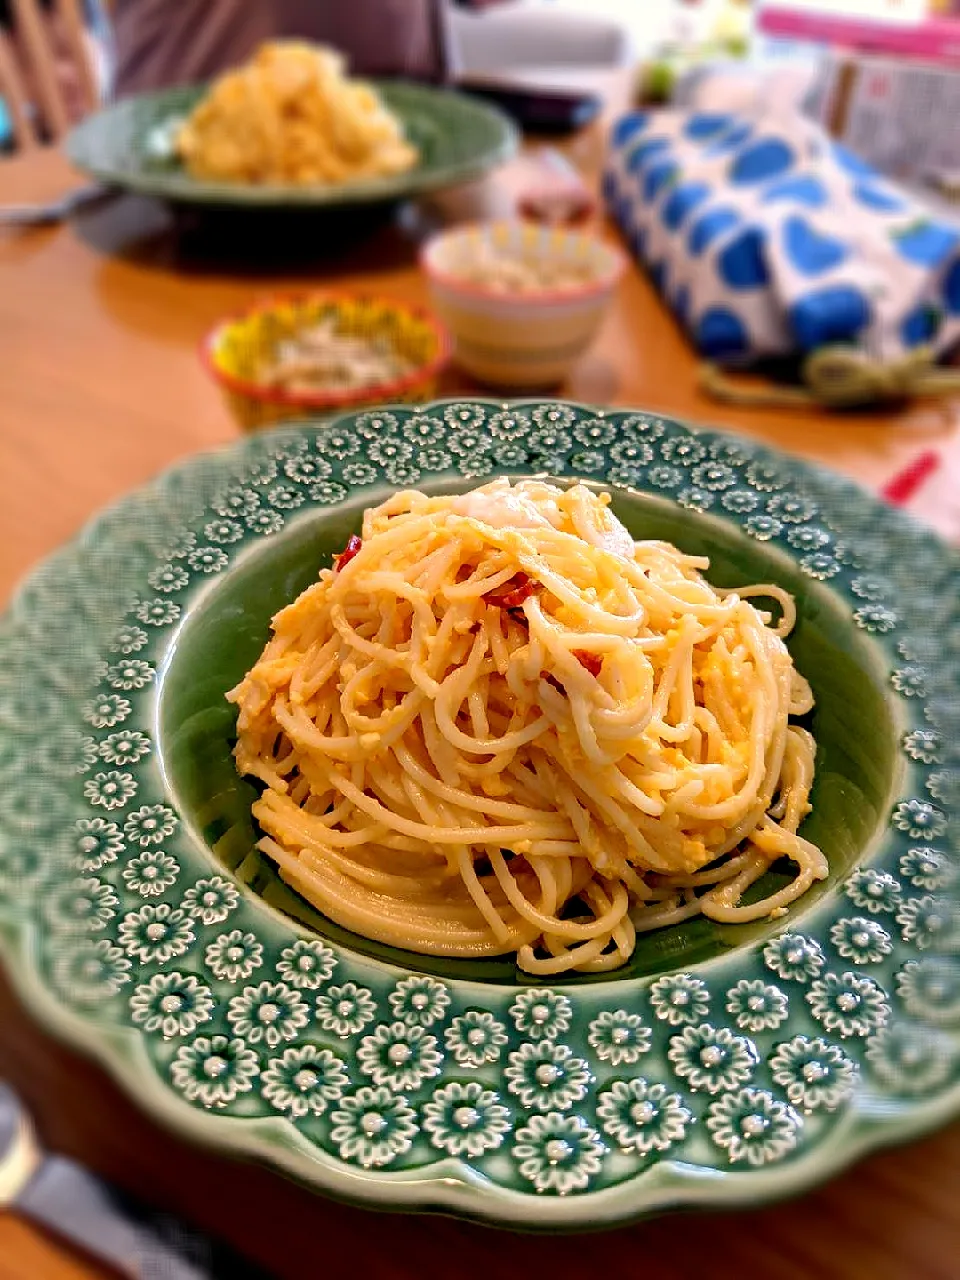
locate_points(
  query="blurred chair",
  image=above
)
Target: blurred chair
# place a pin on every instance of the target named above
(49, 73)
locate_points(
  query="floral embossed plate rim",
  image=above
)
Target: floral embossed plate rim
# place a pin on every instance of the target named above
(544, 1106)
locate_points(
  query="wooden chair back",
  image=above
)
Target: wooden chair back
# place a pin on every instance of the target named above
(29, 84)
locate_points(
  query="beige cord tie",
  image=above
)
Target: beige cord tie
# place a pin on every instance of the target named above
(842, 377)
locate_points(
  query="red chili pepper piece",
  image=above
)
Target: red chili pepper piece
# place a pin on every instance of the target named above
(513, 593)
(591, 661)
(346, 555)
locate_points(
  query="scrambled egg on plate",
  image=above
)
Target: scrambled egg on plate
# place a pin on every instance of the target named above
(293, 116)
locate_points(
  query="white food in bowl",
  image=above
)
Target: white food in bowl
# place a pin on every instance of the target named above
(522, 301)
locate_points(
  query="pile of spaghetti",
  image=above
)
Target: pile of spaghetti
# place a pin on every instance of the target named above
(292, 116)
(498, 724)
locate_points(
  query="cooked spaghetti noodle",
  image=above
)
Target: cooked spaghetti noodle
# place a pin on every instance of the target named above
(498, 724)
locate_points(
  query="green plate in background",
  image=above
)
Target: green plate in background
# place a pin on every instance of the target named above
(130, 145)
(723, 1065)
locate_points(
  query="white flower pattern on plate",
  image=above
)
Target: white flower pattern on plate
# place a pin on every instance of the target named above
(285, 498)
(910, 1058)
(763, 527)
(930, 989)
(264, 523)
(739, 501)
(919, 819)
(558, 1153)
(860, 940)
(465, 1119)
(223, 531)
(97, 843)
(233, 956)
(541, 1014)
(360, 473)
(848, 1003)
(207, 560)
(928, 868)
(270, 1012)
(174, 1004)
(213, 1070)
(92, 971)
(110, 790)
(815, 1074)
(546, 1076)
(794, 957)
(129, 640)
(125, 747)
(640, 424)
(909, 681)
(150, 824)
(81, 906)
(923, 745)
(419, 1001)
(421, 428)
(304, 1081)
(680, 999)
(168, 577)
(211, 900)
(873, 891)
(757, 1006)
(875, 618)
(754, 1126)
(712, 1058)
(554, 415)
(643, 1117)
(156, 933)
(930, 922)
(306, 964)
(475, 1038)
(594, 433)
(618, 1037)
(373, 1127)
(106, 710)
(346, 1010)
(378, 423)
(150, 873)
(338, 443)
(129, 675)
(158, 612)
(399, 1056)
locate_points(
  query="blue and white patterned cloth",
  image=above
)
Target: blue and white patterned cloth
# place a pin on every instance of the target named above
(767, 238)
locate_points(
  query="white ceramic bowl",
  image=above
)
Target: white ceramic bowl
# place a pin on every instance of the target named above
(520, 340)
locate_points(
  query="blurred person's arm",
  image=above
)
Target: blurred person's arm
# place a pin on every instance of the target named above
(168, 42)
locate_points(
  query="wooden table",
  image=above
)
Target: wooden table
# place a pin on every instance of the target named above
(100, 387)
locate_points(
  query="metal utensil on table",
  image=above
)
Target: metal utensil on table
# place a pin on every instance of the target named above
(51, 211)
(66, 1200)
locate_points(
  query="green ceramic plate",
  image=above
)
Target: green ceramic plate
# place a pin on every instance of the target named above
(724, 1065)
(130, 145)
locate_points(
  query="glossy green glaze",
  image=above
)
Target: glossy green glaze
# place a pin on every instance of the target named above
(722, 1066)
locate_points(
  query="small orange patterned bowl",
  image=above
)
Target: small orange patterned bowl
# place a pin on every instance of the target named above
(234, 353)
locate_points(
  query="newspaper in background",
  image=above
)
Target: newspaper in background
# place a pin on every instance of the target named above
(900, 116)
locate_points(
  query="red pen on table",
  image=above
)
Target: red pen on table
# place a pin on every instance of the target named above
(900, 489)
